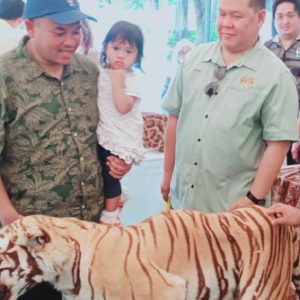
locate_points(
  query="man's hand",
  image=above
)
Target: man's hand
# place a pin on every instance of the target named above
(10, 217)
(289, 215)
(295, 152)
(118, 167)
(240, 203)
(165, 186)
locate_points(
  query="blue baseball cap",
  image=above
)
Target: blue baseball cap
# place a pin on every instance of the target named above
(59, 11)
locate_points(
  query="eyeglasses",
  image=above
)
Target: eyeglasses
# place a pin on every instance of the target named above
(212, 87)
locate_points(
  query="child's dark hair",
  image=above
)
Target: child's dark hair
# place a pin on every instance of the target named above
(127, 32)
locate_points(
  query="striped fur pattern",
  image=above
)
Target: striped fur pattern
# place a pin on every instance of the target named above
(178, 255)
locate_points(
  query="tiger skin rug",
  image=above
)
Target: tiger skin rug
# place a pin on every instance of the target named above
(178, 255)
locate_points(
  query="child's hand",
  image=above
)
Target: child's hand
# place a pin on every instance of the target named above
(117, 76)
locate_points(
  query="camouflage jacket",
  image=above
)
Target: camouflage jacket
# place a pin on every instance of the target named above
(49, 162)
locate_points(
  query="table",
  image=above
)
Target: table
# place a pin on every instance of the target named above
(286, 188)
(143, 183)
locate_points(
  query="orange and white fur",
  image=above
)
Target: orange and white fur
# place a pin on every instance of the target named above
(178, 255)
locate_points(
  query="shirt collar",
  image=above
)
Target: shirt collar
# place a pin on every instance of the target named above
(36, 69)
(214, 54)
(249, 59)
(276, 38)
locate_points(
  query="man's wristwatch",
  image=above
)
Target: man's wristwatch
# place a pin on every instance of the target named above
(256, 201)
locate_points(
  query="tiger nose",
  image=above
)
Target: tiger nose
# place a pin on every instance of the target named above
(3, 292)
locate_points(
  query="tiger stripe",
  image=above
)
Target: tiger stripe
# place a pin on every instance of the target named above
(176, 255)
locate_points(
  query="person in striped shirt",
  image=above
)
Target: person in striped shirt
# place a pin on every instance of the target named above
(286, 46)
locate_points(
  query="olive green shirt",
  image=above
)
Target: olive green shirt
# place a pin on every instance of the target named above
(221, 139)
(49, 162)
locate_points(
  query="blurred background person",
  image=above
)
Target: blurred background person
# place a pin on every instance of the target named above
(11, 17)
(286, 46)
(87, 43)
(180, 51)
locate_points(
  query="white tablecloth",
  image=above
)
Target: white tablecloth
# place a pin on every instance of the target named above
(143, 183)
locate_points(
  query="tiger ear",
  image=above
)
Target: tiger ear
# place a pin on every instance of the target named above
(36, 237)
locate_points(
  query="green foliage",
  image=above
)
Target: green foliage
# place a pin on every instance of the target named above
(134, 4)
(176, 2)
(213, 32)
(193, 36)
(174, 37)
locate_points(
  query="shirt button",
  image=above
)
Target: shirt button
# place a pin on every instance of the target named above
(81, 158)
(195, 164)
(206, 116)
(62, 84)
(75, 134)
(199, 140)
(69, 109)
(82, 183)
(83, 206)
(192, 186)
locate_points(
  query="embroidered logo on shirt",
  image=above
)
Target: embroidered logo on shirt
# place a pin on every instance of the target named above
(246, 81)
(71, 2)
(298, 52)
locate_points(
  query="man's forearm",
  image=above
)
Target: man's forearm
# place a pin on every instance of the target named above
(299, 123)
(7, 212)
(269, 168)
(170, 144)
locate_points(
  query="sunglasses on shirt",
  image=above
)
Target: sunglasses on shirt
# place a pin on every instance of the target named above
(211, 88)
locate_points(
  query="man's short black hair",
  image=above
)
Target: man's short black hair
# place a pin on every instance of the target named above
(11, 9)
(258, 4)
(278, 2)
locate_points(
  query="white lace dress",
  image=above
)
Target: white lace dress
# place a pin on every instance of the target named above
(121, 134)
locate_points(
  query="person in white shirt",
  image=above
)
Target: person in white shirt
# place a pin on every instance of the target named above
(11, 17)
(120, 126)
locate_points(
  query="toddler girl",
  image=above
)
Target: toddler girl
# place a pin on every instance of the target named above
(120, 126)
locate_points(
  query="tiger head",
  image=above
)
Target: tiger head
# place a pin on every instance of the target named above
(28, 255)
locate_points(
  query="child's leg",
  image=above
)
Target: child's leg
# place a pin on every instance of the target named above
(124, 196)
(112, 192)
(111, 204)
